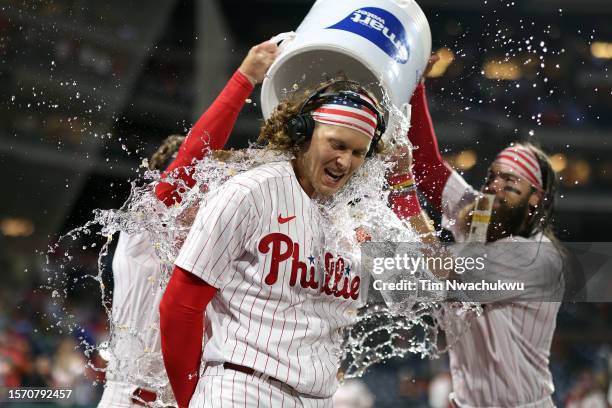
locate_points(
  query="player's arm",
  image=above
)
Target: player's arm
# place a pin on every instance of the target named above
(431, 172)
(213, 128)
(404, 202)
(182, 326)
(218, 235)
(443, 187)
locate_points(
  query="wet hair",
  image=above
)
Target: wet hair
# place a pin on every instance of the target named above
(165, 152)
(541, 219)
(273, 133)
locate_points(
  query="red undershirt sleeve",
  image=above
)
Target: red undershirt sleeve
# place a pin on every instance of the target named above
(181, 313)
(430, 171)
(211, 131)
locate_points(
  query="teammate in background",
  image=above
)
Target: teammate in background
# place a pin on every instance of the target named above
(502, 359)
(137, 269)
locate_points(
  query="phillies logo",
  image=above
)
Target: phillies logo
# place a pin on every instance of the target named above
(336, 281)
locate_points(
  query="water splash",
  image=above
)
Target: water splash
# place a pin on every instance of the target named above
(428, 330)
(378, 334)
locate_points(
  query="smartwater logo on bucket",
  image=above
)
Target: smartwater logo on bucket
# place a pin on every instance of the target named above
(379, 27)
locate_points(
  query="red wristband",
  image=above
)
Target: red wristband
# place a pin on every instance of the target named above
(401, 182)
(405, 205)
(403, 196)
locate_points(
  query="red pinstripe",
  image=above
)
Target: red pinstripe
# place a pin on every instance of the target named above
(254, 300)
(233, 393)
(486, 359)
(212, 249)
(290, 299)
(245, 394)
(535, 319)
(314, 310)
(319, 357)
(266, 302)
(282, 285)
(239, 309)
(204, 246)
(311, 243)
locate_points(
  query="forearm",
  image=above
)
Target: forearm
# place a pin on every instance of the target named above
(403, 197)
(210, 132)
(430, 170)
(405, 204)
(181, 314)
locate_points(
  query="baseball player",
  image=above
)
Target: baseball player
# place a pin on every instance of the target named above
(135, 348)
(256, 256)
(502, 359)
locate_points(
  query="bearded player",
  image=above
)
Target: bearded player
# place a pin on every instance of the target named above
(135, 349)
(502, 359)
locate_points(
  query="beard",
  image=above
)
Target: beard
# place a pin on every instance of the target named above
(507, 220)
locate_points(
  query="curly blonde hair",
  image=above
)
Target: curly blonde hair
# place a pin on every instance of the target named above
(273, 133)
(159, 160)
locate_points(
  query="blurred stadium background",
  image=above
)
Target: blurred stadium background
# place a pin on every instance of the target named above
(88, 89)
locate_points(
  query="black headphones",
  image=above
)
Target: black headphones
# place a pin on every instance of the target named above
(300, 127)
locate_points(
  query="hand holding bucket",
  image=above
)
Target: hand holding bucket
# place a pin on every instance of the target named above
(282, 39)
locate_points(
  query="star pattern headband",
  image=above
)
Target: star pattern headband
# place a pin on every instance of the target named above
(342, 111)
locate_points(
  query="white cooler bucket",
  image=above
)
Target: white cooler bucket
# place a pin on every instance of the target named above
(386, 42)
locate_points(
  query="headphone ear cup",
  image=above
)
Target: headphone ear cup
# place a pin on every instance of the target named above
(300, 128)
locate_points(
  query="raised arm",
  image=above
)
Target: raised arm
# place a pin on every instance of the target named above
(213, 128)
(431, 172)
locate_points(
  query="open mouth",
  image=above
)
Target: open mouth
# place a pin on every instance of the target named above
(335, 177)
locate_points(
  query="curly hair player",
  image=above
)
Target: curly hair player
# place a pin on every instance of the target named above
(253, 256)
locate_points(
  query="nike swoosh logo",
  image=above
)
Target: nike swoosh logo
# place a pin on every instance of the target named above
(282, 220)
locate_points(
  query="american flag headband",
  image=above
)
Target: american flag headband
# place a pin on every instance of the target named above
(321, 97)
(522, 162)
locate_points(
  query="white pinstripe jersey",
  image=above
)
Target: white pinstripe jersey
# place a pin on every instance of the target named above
(259, 240)
(136, 346)
(502, 359)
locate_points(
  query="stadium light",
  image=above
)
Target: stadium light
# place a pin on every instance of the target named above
(466, 159)
(601, 49)
(502, 70)
(16, 227)
(559, 162)
(439, 68)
